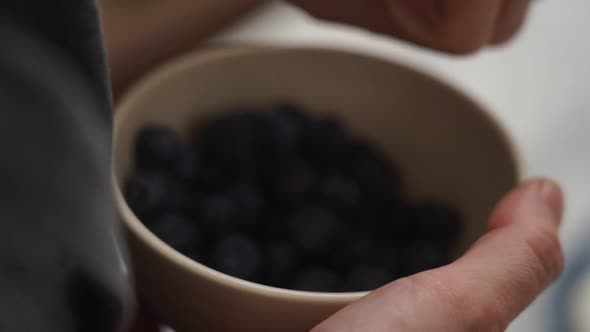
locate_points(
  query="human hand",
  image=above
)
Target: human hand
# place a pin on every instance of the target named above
(455, 26)
(482, 291)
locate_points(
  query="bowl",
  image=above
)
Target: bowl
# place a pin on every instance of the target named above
(447, 146)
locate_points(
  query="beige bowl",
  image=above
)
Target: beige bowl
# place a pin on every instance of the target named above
(447, 146)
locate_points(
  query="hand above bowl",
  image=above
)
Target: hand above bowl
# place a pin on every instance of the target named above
(447, 25)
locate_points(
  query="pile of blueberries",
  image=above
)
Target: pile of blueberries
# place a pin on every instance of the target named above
(274, 196)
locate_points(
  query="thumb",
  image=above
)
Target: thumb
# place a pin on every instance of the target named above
(486, 288)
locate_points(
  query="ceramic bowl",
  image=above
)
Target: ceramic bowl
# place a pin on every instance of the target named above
(447, 146)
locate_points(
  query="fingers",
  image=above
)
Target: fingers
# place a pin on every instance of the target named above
(457, 26)
(510, 19)
(454, 26)
(486, 288)
(370, 14)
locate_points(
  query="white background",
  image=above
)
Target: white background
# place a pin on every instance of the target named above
(536, 86)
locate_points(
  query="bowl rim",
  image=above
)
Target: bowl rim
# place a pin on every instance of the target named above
(163, 73)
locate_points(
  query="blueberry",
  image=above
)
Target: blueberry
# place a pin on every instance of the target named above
(247, 203)
(230, 141)
(217, 214)
(190, 203)
(147, 194)
(293, 183)
(340, 192)
(292, 113)
(325, 142)
(317, 279)
(436, 222)
(389, 257)
(280, 261)
(213, 177)
(366, 278)
(157, 148)
(313, 229)
(273, 225)
(360, 246)
(351, 247)
(422, 257)
(375, 173)
(394, 222)
(186, 167)
(286, 126)
(238, 256)
(178, 232)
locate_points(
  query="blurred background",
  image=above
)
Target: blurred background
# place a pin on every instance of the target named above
(535, 86)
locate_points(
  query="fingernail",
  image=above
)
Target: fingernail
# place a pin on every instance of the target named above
(551, 194)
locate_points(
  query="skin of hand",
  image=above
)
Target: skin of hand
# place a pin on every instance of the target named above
(453, 26)
(485, 289)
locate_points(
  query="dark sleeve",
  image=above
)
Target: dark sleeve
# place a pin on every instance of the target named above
(61, 260)
(72, 27)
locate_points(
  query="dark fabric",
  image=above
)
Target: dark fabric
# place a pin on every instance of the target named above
(61, 263)
(73, 27)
